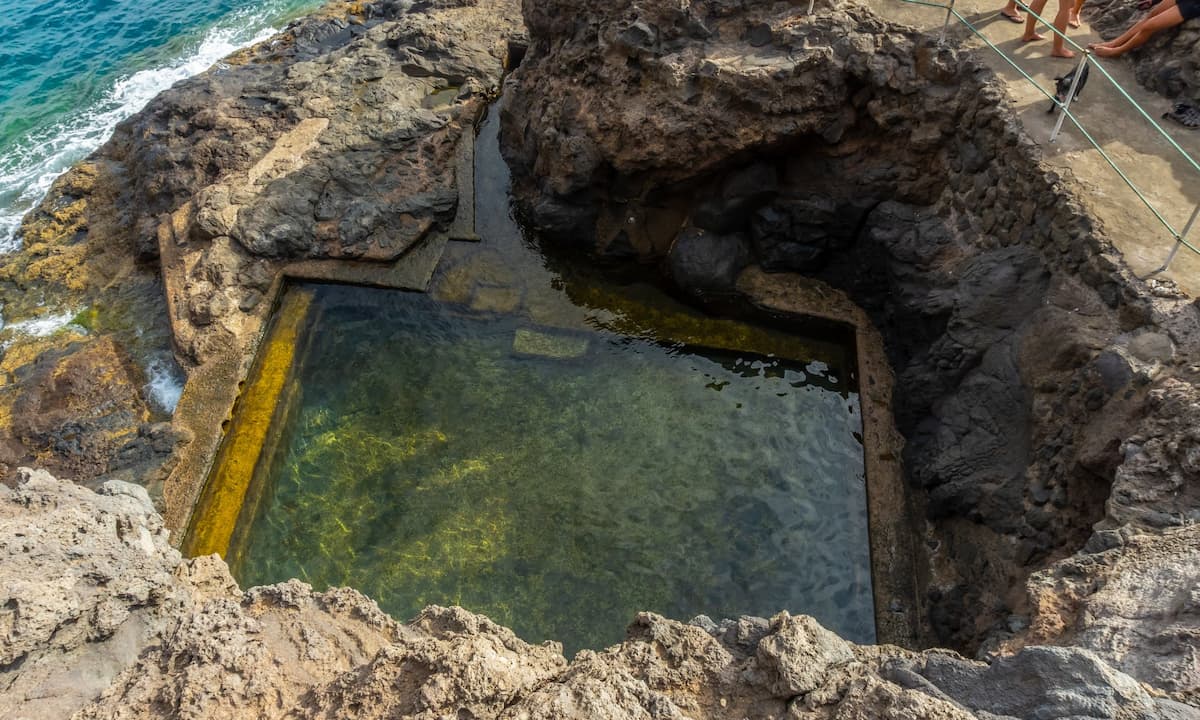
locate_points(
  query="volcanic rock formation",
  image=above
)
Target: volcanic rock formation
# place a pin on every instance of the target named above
(335, 141)
(103, 619)
(1048, 397)
(1035, 374)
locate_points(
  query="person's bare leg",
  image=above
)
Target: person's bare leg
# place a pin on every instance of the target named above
(1060, 23)
(1073, 21)
(1128, 35)
(1031, 33)
(1120, 39)
(1160, 21)
(1012, 12)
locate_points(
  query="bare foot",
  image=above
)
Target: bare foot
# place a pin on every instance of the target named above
(1013, 17)
(1073, 20)
(1062, 53)
(1031, 37)
(1104, 51)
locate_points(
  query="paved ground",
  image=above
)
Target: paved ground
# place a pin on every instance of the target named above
(1168, 180)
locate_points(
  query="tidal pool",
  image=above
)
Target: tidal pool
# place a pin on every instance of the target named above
(548, 445)
(559, 481)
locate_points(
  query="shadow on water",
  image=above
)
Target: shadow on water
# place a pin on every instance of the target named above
(558, 450)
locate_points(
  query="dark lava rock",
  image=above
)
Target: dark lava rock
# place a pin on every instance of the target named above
(701, 261)
(1114, 371)
(759, 35)
(81, 411)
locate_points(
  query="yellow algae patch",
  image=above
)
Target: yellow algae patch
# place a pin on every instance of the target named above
(356, 452)
(460, 472)
(464, 544)
(629, 315)
(217, 513)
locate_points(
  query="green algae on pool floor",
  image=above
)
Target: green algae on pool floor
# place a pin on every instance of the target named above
(558, 481)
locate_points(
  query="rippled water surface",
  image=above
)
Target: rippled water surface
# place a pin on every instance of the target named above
(73, 69)
(559, 482)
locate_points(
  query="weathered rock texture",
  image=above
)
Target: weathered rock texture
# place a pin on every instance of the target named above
(1048, 398)
(1169, 63)
(337, 140)
(116, 625)
(87, 582)
(1042, 389)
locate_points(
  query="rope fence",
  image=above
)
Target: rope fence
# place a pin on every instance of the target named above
(1086, 60)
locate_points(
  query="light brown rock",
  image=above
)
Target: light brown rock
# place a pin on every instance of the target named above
(119, 626)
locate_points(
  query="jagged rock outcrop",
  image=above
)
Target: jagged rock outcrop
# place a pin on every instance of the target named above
(1169, 63)
(83, 414)
(1133, 593)
(1034, 371)
(1042, 389)
(338, 140)
(117, 625)
(88, 580)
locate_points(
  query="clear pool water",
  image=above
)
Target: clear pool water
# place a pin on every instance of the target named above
(556, 481)
(558, 450)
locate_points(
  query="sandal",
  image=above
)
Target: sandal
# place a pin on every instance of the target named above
(1018, 18)
(1184, 114)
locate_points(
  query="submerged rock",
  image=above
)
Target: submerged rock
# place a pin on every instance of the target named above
(557, 346)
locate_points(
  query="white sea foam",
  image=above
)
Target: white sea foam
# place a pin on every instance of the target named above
(165, 384)
(44, 326)
(35, 161)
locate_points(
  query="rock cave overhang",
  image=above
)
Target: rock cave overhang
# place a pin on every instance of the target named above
(952, 243)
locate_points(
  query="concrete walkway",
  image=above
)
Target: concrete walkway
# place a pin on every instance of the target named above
(1164, 177)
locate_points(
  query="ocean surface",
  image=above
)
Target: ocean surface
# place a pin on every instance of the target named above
(70, 70)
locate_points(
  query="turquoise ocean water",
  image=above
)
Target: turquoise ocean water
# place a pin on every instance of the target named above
(70, 70)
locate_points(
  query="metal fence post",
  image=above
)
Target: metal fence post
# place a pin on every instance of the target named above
(946, 22)
(1062, 112)
(1179, 242)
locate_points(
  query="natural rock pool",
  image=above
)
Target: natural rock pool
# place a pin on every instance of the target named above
(551, 448)
(557, 482)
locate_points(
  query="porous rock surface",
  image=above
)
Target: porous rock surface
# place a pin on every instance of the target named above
(101, 618)
(1048, 397)
(336, 140)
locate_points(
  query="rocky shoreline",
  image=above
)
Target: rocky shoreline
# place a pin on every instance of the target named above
(132, 630)
(1047, 397)
(329, 152)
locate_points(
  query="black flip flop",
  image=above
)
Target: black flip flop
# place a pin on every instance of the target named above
(1184, 114)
